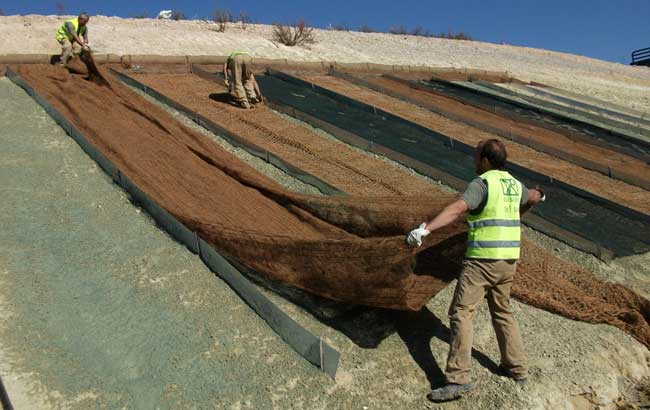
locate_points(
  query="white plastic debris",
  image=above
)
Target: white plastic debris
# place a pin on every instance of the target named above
(165, 14)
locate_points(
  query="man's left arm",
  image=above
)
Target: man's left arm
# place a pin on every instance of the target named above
(226, 82)
(256, 87)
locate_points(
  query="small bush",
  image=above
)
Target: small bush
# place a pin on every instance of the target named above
(341, 27)
(297, 34)
(398, 30)
(2, 12)
(143, 15)
(461, 35)
(367, 29)
(244, 19)
(222, 18)
(420, 32)
(178, 15)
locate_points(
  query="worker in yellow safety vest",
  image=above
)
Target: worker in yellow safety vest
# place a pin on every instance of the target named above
(493, 202)
(240, 80)
(73, 31)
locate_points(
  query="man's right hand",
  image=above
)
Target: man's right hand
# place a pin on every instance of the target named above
(414, 238)
(226, 83)
(539, 195)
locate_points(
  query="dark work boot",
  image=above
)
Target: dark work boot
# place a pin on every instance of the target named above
(450, 391)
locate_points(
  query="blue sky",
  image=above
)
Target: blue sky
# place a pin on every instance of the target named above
(608, 30)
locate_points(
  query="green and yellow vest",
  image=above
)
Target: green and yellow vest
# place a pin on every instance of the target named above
(236, 53)
(495, 232)
(63, 31)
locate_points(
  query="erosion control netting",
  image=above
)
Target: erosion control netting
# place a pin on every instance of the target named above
(346, 248)
(587, 218)
(636, 148)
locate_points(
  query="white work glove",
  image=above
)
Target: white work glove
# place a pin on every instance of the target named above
(414, 238)
(226, 83)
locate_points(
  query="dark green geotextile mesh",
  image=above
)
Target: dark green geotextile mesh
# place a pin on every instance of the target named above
(619, 229)
(637, 148)
(4, 398)
(620, 173)
(576, 107)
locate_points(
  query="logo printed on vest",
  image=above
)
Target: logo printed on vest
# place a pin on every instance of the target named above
(509, 187)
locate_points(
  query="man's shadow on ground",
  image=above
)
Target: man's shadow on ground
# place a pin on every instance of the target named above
(222, 97)
(367, 327)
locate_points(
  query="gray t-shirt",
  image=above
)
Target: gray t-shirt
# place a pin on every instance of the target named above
(476, 195)
(70, 28)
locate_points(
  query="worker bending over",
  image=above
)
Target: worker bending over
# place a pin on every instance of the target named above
(493, 203)
(71, 32)
(240, 80)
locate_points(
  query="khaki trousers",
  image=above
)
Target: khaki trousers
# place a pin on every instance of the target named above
(241, 84)
(66, 51)
(491, 280)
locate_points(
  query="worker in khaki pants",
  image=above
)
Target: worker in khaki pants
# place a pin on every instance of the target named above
(494, 202)
(74, 31)
(240, 79)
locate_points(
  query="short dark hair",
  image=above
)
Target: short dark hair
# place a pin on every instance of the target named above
(84, 15)
(495, 151)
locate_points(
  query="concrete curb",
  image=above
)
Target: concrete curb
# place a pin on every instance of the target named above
(129, 59)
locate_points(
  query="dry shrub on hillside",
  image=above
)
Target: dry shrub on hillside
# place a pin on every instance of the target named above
(143, 15)
(398, 30)
(461, 35)
(222, 18)
(297, 34)
(341, 27)
(244, 19)
(367, 29)
(419, 31)
(178, 15)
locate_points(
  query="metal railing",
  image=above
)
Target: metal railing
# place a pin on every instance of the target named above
(641, 56)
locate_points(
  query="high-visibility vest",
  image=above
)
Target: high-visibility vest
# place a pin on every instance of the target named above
(236, 53)
(495, 232)
(63, 31)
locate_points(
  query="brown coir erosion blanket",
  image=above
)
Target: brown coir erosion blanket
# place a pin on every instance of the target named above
(349, 249)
